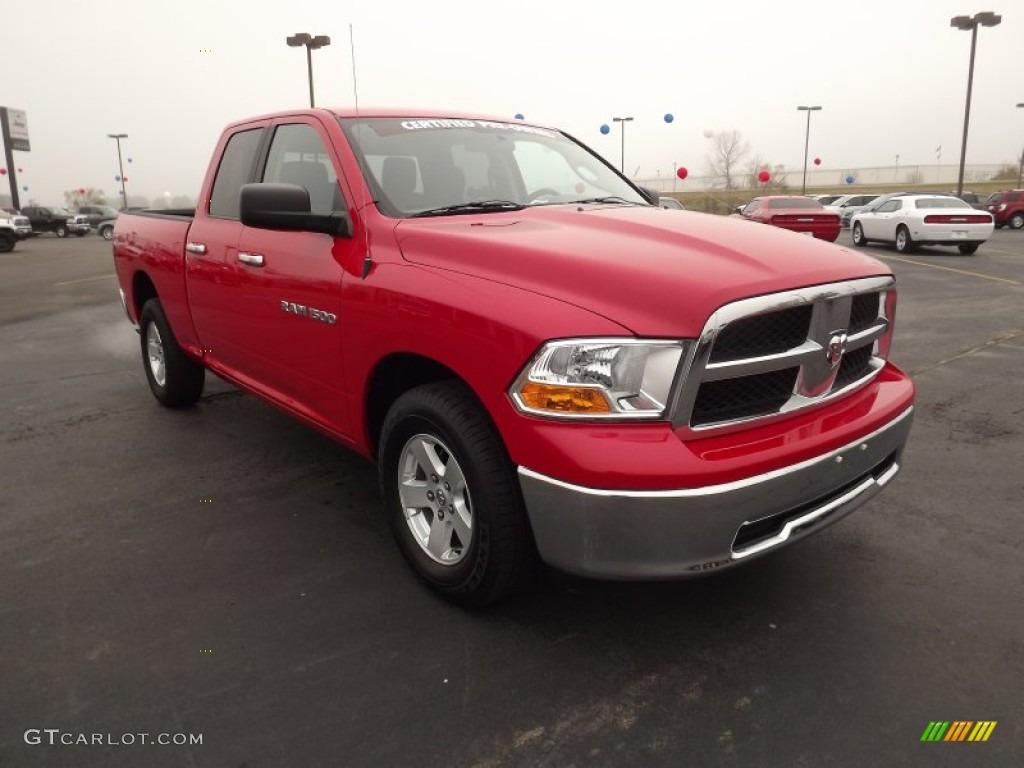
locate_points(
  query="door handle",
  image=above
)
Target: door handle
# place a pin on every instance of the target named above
(252, 259)
(197, 248)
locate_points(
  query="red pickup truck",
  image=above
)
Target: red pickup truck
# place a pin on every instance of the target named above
(542, 361)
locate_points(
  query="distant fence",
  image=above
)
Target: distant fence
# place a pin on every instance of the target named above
(886, 175)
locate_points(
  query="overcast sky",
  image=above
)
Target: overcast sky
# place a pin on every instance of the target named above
(890, 74)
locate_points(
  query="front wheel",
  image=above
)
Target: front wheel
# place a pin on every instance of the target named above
(968, 248)
(903, 242)
(1017, 221)
(451, 496)
(7, 242)
(858, 235)
(107, 233)
(175, 379)
(61, 231)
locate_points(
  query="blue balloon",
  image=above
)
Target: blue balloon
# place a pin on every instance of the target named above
(849, 179)
(24, 189)
(117, 178)
(519, 116)
(669, 118)
(129, 159)
(605, 129)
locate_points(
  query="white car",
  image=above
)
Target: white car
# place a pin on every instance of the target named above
(671, 203)
(910, 220)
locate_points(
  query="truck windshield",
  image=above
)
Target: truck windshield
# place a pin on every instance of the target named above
(444, 167)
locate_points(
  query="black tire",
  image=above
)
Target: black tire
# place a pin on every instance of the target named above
(107, 232)
(904, 244)
(968, 248)
(61, 231)
(1017, 220)
(858, 235)
(183, 377)
(7, 242)
(500, 558)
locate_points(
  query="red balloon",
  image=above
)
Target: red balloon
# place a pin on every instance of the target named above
(81, 191)
(682, 173)
(817, 161)
(3, 171)
(124, 178)
(763, 176)
(19, 170)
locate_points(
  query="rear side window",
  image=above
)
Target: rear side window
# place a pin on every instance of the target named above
(234, 171)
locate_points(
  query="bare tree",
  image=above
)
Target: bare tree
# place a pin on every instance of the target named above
(74, 198)
(776, 180)
(728, 151)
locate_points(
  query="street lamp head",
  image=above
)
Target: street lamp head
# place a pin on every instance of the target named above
(621, 119)
(985, 19)
(320, 41)
(299, 38)
(809, 109)
(1021, 104)
(117, 135)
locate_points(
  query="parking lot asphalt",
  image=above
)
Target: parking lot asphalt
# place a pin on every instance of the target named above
(224, 571)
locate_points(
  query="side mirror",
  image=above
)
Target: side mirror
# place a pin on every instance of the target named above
(286, 207)
(650, 195)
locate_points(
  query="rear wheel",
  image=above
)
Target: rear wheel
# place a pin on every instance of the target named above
(175, 379)
(451, 496)
(107, 232)
(858, 235)
(968, 248)
(7, 242)
(1017, 220)
(903, 242)
(61, 231)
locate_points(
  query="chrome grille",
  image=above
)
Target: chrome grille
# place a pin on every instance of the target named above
(771, 355)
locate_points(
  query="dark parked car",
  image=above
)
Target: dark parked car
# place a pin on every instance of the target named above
(60, 221)
(974, 200)
(97, 214)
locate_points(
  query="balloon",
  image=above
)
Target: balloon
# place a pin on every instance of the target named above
(81, 191)
(519, 116)
(129, 159)
(125, 179)
(817, 161)
(3, 171)
(763, 176)
(605, 129)
(682, 173)
(849, 179)
(117, 178)
(581, 187)
(25, 188)
(669, 118)
(20, 171)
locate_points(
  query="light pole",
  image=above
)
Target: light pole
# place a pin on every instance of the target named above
(120, 165)
(985, 19)
(1020, 171)
(622, 156)
(807, 142)
(896, 173)
(311, 43)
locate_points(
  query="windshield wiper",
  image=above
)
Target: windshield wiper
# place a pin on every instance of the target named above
(608, 199)
(477, 206)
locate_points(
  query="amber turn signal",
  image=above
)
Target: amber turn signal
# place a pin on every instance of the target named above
(564, 399)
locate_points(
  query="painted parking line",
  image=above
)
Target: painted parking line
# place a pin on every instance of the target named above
(1005, 253)
(86, 280)
(950, 269)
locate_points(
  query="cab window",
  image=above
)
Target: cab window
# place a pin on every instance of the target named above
(298, 156)
(235, 169)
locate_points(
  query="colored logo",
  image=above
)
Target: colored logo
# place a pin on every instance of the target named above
(959, 730)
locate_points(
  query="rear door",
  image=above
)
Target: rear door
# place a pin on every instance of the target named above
(289, 283)
(212, 250)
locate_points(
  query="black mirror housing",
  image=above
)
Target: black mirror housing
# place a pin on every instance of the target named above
(286, 207)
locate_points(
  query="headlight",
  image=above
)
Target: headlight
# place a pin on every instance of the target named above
(599, 378)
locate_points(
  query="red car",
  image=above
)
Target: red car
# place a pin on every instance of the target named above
(799, 214)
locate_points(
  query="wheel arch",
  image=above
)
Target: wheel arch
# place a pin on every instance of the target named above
(391, 377)
(143, 290)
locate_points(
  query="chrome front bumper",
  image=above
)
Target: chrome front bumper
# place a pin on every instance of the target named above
(677, 533)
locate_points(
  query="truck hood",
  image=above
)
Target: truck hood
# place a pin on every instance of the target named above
(656, 272)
